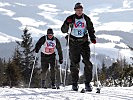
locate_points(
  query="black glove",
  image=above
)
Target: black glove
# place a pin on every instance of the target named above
(60, 61)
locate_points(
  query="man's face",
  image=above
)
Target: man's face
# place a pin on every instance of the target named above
(79, 11)
(50, 36)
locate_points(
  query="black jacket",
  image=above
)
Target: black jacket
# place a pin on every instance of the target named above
(41, 42)
(90, 28)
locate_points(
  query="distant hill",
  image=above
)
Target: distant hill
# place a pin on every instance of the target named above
(110, 46)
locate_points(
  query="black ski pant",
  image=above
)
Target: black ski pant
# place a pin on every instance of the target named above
(76, 50)
(45, 61)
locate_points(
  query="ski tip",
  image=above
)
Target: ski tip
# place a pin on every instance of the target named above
(57, 88)
(82, 91)
(98, 90)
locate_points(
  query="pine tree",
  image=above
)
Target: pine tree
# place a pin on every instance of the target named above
(16, 63)
(103, 74)
(115, 72)
(131, 48)
(128, 76)
(27, 55)
(131, 70)
(3, 77)
(9, 72)
(1, 71)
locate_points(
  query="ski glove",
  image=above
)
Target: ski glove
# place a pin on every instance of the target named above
(93, 41)
(60, 61)
(69, 20)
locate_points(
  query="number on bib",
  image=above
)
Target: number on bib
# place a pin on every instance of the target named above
(79, 32)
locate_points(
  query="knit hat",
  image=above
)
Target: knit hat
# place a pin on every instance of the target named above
(78, 5)
(50, 31)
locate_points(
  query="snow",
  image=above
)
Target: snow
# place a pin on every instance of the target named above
(32, 25)
(110, 37)
(20, 4)
(112, 25)
(68, 12)
(48, 7)
(3, 4)
(6, 38)
(7, 12)
(106, 49)
(4, 11)
(107, 93)
(56, 12)
(127, 3)
(127, 54)
(51, 11)
(110, 9)
(95, 19)
(29, 21)
(125, 26)
(109, 50)
(122, 45)
(121, 26)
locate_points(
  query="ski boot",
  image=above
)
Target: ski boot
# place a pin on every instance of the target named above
(75, 86)
(53, 86)
(88, 87)
(57, 85)
(43, 85)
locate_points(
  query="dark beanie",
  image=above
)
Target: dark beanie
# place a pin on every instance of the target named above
(78, 5)
(50, 31)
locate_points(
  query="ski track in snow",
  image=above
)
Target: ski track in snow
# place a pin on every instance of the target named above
(107, 93)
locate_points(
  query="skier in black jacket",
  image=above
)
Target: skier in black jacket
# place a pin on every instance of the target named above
(81, 27)
(49, 43)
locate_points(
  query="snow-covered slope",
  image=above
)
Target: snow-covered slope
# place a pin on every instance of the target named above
(4, 38)
(107, 93)
(114, 45)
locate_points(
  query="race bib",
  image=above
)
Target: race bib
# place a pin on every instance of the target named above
(79, 28)
(49, 50)
(49, 47)
(78, 32)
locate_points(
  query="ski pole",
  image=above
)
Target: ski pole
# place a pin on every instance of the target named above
(61, 74)
(98, 87)
(66, 59)
(32, 70)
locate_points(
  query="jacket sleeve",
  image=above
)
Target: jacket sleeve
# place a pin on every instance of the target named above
(65, 26)
(40, 42)
(90, 28)
(59, 49)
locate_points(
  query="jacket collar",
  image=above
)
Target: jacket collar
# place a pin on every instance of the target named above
(79, 17)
